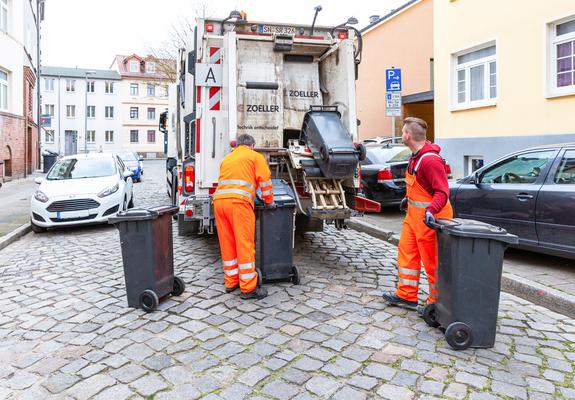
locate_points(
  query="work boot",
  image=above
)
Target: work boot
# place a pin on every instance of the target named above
(395, 300)
(232, 289)
(257, 294)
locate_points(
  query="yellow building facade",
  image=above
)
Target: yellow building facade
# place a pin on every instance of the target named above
(504, 77)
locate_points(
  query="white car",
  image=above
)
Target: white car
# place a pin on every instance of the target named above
(80, 189)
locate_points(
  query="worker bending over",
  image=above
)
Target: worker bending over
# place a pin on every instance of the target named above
(241, 173)
(427, 198)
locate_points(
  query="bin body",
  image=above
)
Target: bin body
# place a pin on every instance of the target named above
(147, 251)
(49, 160)
(275, 234)
(469, 276)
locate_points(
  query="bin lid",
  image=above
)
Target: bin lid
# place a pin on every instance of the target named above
(475, 229)
(283, 193)
(141, 214)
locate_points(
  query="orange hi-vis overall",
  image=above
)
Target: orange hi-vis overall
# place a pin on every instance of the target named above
(418, 243)
(241, 173)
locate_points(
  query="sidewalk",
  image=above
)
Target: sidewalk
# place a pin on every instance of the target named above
(544, 280)
(15, 201)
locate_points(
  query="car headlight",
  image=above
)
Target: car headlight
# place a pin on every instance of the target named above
(109, 191)
(40, 196)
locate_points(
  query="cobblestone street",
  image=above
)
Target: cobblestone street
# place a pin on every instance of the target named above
(66, 330)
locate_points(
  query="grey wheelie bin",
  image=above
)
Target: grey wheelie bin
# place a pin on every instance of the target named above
(148, 255)
(468, 281)
(275, 235)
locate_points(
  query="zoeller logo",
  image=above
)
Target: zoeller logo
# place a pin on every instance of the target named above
(255, 108)
(303, 93)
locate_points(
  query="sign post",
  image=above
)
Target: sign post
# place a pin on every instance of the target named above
(393, 95)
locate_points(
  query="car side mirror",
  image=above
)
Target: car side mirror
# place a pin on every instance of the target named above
(38, 180)
(475, 179)
(140, 158)
(127, 173)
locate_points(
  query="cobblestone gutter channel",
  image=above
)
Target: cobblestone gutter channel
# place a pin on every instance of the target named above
(65, 330)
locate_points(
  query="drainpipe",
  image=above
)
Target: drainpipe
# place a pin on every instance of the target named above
(39, 18)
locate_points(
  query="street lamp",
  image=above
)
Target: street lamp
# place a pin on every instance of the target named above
(235, 14)
(86, 73)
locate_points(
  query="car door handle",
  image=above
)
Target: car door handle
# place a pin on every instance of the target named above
(524, 196)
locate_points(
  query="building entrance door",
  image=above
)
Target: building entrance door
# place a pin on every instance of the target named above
(71, 142)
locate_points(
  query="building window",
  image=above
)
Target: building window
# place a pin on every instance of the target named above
(134, 66)
(4, 15)
(134, 136)
(109, 136)
(49, 136)
(475, 79)
(133, 89)
(109, 112)
(166, 91)
(91, 136)
(3, 90)
(109, 87)
(133, 112)
(562, 59)
(151, 136)
(151, 90)
(49, 84)
(151, 68)
(151, 113)
(70, 85)
(71, 111)
(90, 86)
(91, 111)
(49, 109)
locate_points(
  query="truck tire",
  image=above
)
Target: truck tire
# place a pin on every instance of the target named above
(187, 228)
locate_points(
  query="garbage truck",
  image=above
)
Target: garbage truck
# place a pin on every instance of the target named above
(291, 87)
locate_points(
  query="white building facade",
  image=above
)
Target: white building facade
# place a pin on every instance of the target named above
(83, 108)
(19, 146)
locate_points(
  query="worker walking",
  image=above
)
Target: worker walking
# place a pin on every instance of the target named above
(241, 173)
(427, 198)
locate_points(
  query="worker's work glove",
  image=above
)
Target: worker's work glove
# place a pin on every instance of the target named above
(429, 219)
(403, 205)
(271, 205)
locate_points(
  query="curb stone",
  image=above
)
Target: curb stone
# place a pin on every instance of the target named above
(534, 292)
(15, 235)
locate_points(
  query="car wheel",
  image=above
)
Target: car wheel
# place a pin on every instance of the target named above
(36, 228)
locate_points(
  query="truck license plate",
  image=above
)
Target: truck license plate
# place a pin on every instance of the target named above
(287, 30)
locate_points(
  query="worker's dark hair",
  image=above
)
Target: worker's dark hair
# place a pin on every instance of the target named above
(417, 127)
(245, 139)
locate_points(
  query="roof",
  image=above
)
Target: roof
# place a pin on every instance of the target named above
(121, 63)
(417, 97)
(80, 73)
(391, 14)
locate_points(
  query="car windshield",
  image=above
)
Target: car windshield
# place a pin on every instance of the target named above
(74, 168)
(127, 157)
(384, 155)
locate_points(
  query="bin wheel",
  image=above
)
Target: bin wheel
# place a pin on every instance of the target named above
(179, 286)
(295, 278)
(362, 151)
(149, 300)
(323, 153)
(260, 277)
(429, 315)
(459, 335)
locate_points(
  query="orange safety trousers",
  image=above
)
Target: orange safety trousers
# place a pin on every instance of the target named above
(236, 224)
(418, 243)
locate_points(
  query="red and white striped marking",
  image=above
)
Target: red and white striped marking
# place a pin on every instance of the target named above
(215, 93)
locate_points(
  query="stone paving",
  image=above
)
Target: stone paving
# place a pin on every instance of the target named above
(15, 199)
(66, 331)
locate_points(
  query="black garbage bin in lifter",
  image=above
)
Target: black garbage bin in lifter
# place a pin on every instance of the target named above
(275, 237)
(148, 255)
(468, 281)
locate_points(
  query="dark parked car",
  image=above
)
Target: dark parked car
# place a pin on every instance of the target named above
(383, 173)
(530, 193)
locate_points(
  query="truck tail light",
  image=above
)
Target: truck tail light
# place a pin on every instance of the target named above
(209, 28)
(342, 35)
(359, 177)
(189, 178)
(384, 175)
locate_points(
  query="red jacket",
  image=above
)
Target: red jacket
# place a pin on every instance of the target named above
(431, 176)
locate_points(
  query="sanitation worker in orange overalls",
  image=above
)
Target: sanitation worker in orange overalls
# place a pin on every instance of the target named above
(427, 198)
(241, 173)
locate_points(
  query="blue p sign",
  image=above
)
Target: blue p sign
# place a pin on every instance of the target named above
(393, 80)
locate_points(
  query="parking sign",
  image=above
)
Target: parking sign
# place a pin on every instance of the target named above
(393, 80)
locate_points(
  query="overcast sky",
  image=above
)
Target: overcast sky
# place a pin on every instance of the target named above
(88, 33)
